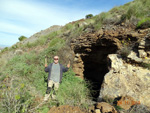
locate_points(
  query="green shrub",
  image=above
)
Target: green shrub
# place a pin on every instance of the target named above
(99, 20)
(118, 107)
(89, 16)
(22, 65)
(5, 49)
(115, 10)
(14, 47)
(131, 12)
(68, 26)
(55, 41)
(110, 21)
(124, 51)
(44, 109)
(143, 23)
(28, 45)
(145, 65)
(21, 38)
(139, 9)
(103, 16)
(123, 18)
(55, 44)
(15, 98)
(29, 67)
(51, 35)
(76, 32)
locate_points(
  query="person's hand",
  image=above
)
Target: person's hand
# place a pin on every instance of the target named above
(45, 61)
(45, 65)
(68, 65)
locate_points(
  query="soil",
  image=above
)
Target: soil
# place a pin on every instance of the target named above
(66, 109)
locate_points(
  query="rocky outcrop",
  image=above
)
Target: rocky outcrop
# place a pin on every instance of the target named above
(107, 40)
(126, 102)
(97, 60)
(90, 51)
(126, 79)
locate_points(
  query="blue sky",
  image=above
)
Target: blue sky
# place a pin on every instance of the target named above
(26, 17)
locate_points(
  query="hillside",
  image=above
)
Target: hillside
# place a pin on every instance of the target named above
(1, 48)
(109, 54)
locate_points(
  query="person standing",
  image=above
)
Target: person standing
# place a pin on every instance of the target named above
(55, 71)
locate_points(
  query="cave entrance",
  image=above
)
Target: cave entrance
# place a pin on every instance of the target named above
(96, 65)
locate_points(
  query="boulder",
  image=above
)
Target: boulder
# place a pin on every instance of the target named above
(105, 108)
(142, 53)
(126, 102)
(126, 79)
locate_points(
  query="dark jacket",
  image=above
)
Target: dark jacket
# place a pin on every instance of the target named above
(62, 69)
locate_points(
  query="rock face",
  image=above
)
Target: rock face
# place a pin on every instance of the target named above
(126, 102)
(96, 59)
(94, 47)
(90, 54)
(126, 79)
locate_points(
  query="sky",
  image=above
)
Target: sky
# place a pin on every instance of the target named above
(27, 17)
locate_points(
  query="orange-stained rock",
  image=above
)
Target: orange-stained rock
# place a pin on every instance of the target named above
(126, 102)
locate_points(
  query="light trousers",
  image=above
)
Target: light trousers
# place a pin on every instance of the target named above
(51, 83)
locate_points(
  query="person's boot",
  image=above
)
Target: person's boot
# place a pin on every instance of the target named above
(54, 95)
(47, 93)
(46, 97)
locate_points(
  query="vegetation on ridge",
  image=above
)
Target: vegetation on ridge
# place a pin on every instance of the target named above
(21, 38)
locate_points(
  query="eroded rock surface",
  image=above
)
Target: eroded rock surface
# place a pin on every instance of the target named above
(126, 79)
(96, 59)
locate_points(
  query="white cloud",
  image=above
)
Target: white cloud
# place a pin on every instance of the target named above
(26, 17)
(14, 29)
(38, 13)
(8, 39)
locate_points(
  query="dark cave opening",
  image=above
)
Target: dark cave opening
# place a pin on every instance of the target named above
(95, 74)
(96, 65)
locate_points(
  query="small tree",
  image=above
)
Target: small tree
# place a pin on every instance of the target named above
(21, 38)
(89, 16)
